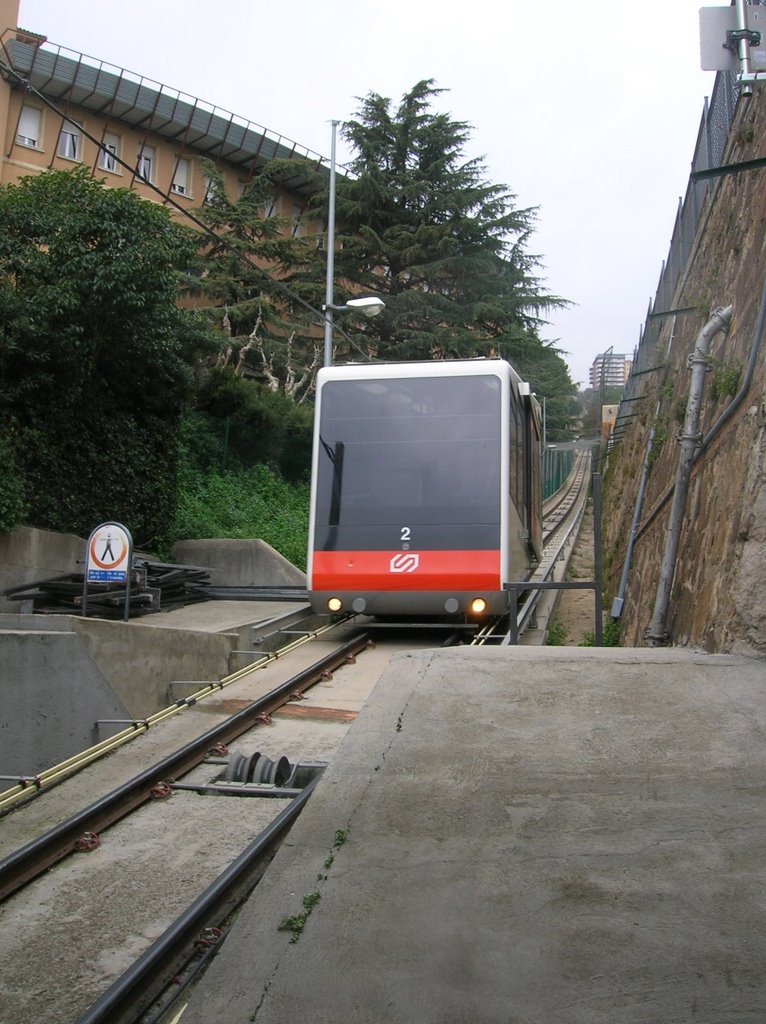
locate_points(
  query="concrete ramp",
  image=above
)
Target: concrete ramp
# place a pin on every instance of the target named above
(52, 693)
(239, 563)
(522, 836)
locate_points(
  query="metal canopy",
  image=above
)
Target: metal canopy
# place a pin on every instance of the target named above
(68, 77)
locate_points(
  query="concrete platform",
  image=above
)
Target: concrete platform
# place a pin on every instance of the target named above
(522, 836)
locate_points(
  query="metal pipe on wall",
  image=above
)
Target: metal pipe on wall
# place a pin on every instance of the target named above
(690, 439)
(619, 599)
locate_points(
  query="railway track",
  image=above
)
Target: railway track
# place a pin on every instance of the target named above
(562, 516)
(149, 873)
(126, 897)
(561, 521)
(557, 511)
(155, 782)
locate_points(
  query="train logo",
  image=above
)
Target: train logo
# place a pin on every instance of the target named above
(404, 562)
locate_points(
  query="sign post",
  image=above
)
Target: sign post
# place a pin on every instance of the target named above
(108, 559)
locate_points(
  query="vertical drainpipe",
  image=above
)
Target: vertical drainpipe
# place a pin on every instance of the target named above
(656, 633)
(619, 600)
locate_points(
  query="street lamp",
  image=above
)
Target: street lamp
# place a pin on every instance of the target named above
(370, 305)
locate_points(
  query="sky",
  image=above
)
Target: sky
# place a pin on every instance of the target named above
(588, 112)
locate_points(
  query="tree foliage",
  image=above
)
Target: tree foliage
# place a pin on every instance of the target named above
(254, 425)
(252, 275)
(96, 358)
(591, 403)
(418, 224)
(445, 248)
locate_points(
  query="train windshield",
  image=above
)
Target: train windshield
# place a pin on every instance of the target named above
(416, 451)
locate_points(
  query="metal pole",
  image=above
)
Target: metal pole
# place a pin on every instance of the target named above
(619, 600)
(743, 46)
(598, 636)
(545, 423)
(330, 254)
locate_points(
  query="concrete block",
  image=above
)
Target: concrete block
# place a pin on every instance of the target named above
(239, 563)
(51, 694)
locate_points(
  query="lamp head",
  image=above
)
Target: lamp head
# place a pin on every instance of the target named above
(370, 305)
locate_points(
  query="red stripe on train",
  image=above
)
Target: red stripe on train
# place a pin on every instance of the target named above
(406, 570)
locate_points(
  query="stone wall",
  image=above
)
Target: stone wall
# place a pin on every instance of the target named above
(718, 599)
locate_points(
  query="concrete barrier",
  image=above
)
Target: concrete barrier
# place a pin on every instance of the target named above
(239, 563)
(51, 694)
(28, 555)
(59, 674)
(140, 661)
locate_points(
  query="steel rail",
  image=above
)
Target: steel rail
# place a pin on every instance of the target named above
(130, 995)
(31, 860)
(558, 512)
(562, 530)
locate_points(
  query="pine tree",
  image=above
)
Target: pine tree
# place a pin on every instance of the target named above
(252, 277)
(420, 226)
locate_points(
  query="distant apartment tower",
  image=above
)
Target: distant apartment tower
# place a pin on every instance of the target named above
(610, 370)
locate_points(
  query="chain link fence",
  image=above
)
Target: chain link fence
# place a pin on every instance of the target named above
(715, 125)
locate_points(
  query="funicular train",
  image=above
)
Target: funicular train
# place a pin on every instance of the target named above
(426, 489)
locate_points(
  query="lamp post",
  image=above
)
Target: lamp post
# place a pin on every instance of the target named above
(369, 305)
(328, 306)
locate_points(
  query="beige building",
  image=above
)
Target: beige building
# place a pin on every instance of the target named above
(610, 370)
(608, 421)
(129, 131)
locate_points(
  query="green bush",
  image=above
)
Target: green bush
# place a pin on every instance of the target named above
(253, 425)
(12, 499)
(610, 636)
(96, 356)
(724, 380)
(254, 502)
(556, 635)
(243, 471)
(658, 442)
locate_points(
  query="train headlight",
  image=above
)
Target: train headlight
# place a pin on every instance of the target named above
(478, 606)
(334, 604)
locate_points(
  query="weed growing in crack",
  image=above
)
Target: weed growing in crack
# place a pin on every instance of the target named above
(297, 923)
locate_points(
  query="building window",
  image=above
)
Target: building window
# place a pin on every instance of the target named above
(180, 184)
(107, 155)
(299, 228)
(70, 141)
(269, 206)
(29, 127)
(145, 163)
(213, 191)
